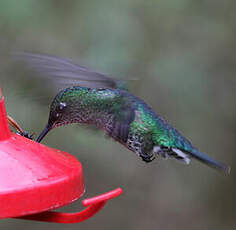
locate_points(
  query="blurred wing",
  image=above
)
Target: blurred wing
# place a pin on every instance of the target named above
(65, 72)
(121, 123)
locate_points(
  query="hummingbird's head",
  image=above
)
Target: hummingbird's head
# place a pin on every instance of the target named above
(75, 105)
(61, 113)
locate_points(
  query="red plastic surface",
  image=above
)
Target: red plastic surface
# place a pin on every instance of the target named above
(35, 179)
(94, 205)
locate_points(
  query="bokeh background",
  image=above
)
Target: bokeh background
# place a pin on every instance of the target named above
(182, 55)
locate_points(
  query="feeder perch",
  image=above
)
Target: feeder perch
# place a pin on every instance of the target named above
(35, 179)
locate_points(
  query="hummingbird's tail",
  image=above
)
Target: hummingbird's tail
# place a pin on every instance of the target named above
(209, 161)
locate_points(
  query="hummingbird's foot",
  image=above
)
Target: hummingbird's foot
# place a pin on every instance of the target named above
(147, 158)
(27, 135)
(18, 129)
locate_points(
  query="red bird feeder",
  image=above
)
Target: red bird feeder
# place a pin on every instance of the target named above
(35, 179)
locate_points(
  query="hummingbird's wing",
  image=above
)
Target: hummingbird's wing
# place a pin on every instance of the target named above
(65, 72)
(123, 113)
(120, 129)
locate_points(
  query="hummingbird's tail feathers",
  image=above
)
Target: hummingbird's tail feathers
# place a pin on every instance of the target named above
(209, 161)
(65, 69)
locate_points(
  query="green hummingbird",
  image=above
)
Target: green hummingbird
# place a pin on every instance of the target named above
(102, 101)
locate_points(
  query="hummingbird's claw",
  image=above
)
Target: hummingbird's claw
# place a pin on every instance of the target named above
(18, 129)
(27, 135)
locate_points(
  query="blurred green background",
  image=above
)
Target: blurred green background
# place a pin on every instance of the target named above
(183, 54)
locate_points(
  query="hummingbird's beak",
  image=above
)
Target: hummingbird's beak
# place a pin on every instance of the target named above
(44, 132)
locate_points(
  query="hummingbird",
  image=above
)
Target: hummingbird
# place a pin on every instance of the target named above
(96, 99)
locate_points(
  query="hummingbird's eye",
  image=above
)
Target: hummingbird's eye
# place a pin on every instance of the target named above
(62, 105)
(60, 108)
